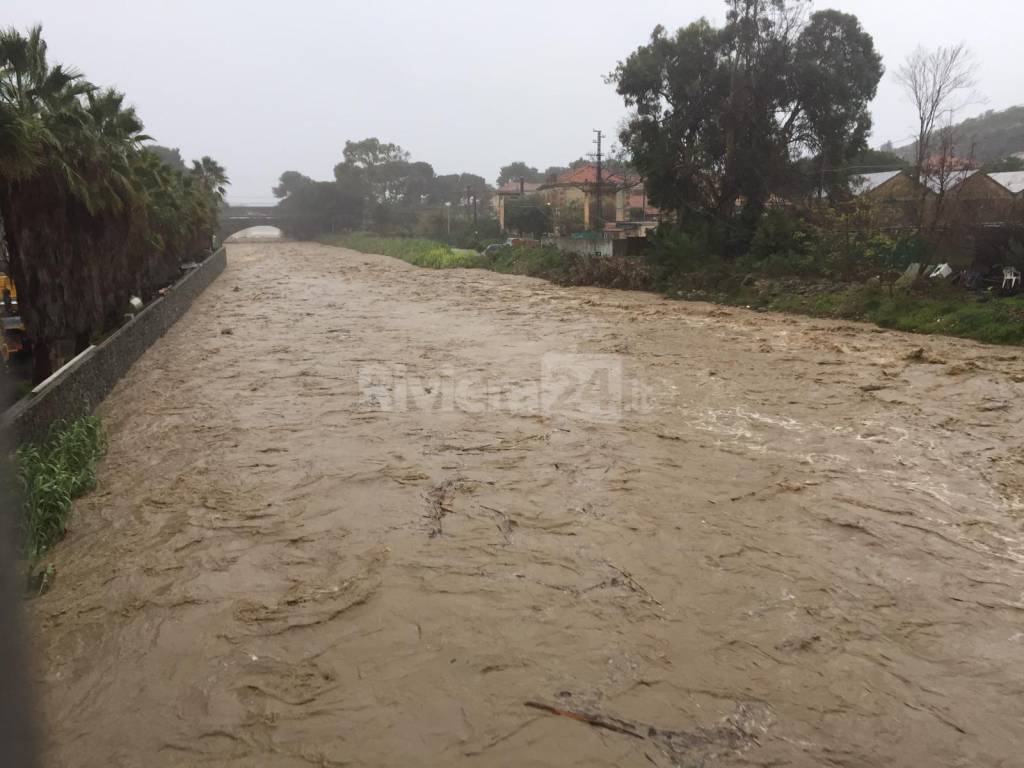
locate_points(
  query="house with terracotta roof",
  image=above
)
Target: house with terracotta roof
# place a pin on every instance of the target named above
(578, 187)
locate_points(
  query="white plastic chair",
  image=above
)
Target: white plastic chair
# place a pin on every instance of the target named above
(1011, 278)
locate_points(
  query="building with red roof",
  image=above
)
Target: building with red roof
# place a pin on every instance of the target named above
(579, 187)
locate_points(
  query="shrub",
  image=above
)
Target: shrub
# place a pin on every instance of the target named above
(52, 475)
(780, 235)
(542, 261)
(675, 252)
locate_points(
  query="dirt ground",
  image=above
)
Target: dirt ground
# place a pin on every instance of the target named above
(358, 513)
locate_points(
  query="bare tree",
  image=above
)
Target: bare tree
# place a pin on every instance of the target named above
(939, 83)
(946, 169)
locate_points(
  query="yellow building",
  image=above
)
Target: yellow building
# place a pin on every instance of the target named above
(512, 189)
(578, 187)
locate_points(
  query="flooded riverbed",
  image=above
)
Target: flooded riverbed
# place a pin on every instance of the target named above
(360, 513)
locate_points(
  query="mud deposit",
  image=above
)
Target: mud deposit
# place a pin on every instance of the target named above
(352, 515)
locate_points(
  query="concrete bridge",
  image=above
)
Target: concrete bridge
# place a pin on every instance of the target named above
(236, 218)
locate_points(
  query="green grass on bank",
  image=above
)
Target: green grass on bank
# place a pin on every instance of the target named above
(993, 320)
(534, 261)
(422, 253)
(52, 475)
(942, 310)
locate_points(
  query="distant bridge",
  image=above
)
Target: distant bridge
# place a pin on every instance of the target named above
(236, 218)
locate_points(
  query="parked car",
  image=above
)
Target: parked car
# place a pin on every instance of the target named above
(494, 248)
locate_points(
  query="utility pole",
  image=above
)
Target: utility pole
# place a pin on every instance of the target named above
(471, 197)
(599, 157)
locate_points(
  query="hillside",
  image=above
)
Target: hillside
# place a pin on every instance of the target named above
(993, 135)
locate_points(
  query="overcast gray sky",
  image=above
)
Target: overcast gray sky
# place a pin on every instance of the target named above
(265, 86)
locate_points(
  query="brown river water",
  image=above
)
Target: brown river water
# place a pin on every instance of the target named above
(356, 513)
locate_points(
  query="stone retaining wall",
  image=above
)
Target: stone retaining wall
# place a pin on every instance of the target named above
(83, 385)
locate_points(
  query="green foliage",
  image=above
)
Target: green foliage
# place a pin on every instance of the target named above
(528, 215)
(720, 114)
(697, 247)
(571, 269)
(290, 183)
(688, 263)
(312, 208)
(872, 160)
(847, 249)
(91, 214)
(835, 75)
(378, 187)
(541, 261)
(52, 475)
(169, 156)
(422, 253)
(370, 154)
(994, 321)
(211, 176)
(518, 170)
(779, 235)
(385, 172)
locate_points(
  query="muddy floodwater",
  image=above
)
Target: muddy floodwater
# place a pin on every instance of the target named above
(356, 513)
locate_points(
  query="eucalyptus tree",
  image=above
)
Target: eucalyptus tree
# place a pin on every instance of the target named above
(720, 116)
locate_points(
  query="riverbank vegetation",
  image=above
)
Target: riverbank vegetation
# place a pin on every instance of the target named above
(91, 215)
(52, 474)
(809, 281)
(748, 139)
(920, 310)
(417, 251)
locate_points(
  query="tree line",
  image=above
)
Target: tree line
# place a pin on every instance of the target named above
(90, 215)
(377, 186)
(616, 164)
(725, 121)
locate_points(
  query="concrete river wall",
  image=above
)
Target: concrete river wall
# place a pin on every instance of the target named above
(80, 386)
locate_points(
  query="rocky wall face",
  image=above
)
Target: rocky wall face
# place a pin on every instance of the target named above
(83, 385)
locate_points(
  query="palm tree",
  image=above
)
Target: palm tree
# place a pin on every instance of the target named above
(212, 175)
(40, 108)
(90, 216)
(43, 116)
